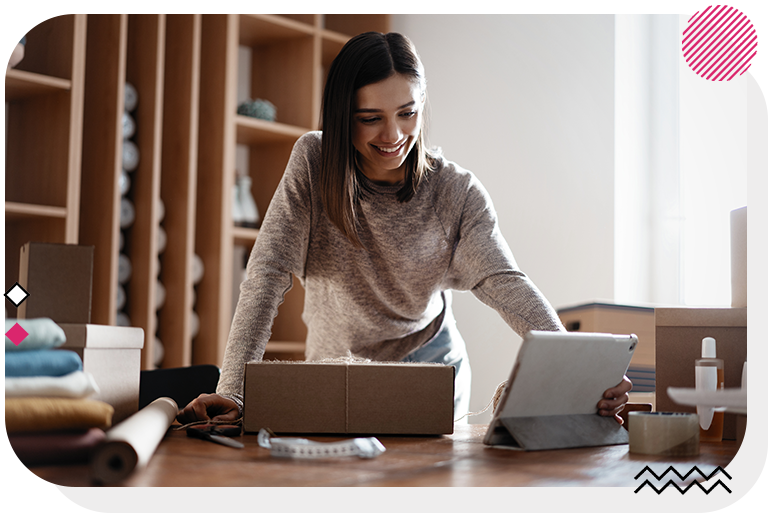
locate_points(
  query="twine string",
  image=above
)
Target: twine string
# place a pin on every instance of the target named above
(208, 422)
(494, 401)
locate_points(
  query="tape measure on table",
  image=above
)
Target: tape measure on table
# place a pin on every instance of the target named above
(307, 449)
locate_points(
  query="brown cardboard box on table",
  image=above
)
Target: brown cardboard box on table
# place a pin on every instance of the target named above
(59, 279)
(348, 398)
(112, 355)
(679, 332)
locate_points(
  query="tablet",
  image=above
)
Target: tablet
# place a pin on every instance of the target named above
(550, 400)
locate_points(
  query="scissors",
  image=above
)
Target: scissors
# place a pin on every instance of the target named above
(216, 433)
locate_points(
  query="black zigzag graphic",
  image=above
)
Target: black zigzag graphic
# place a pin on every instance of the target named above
(695, 468)
(682, 490)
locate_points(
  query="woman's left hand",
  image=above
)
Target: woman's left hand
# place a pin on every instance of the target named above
(614, 399)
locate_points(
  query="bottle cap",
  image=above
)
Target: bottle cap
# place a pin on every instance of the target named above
(708, 348)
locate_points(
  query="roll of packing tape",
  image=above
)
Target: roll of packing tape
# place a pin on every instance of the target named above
(664, 433)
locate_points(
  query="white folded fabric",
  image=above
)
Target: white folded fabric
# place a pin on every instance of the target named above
(75, 385)
(43, 333)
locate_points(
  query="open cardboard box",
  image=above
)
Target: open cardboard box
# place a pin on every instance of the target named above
(348, 398)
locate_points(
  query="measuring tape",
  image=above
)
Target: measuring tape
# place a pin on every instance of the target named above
(307, 449)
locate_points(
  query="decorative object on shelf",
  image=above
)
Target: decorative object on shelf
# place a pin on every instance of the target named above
(15, 39)
(127, 213)
(130, 97)
(248, 208)
(130, 155)
(237, 210)
(259, 108)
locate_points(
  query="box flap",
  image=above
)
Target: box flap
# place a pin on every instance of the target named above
(102, 336)
(701, 317)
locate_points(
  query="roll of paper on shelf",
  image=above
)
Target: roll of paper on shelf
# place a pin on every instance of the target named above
(120, 297)
(198, 269)
(130, 155)
(127, 213)
(159, 295)
(162, 239)
(130, 444)
(130, 97)
(664, 433)
(129, 126)
(124, 269)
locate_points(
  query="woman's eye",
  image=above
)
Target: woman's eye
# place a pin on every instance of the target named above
(408, 114)
(369, 120)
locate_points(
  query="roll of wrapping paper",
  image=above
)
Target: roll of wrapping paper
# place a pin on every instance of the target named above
(129, 445)
(664, 433)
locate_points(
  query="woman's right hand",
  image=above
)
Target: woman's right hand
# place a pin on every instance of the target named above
(209, 406)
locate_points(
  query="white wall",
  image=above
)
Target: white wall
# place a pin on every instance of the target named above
(527, 104)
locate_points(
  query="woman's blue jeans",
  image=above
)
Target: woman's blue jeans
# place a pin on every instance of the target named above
(448, 347)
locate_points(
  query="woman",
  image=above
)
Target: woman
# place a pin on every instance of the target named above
(379, 229)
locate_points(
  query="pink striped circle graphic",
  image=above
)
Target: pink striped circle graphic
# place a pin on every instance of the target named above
(710, 52)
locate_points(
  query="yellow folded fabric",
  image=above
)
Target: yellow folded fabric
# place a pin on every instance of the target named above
(52, 414)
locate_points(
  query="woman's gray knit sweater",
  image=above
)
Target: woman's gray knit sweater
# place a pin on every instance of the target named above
(385, 300)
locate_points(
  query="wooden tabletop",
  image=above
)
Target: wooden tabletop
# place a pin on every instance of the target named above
(460, 459)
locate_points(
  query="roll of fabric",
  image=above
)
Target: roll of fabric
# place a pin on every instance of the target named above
(46, 362)
(55, 448)
(76, 385)
(55, 414)
(43, 333)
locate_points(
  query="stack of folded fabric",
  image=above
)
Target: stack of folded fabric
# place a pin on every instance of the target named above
(48, 415)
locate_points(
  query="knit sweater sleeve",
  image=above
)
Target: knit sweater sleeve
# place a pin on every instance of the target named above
(483, 263)
(278, 254)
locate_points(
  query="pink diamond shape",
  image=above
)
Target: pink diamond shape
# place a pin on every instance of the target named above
(16, 334)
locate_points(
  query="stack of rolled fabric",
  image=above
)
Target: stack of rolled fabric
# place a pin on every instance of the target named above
(48, 415)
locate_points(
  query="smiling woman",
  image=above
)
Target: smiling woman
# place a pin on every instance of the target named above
(374, 99)
(379, 230)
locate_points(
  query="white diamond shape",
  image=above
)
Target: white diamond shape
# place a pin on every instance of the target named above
(16, 294)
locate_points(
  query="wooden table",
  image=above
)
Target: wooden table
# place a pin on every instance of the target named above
(460, 459)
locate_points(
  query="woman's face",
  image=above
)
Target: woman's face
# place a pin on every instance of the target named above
(385, 125)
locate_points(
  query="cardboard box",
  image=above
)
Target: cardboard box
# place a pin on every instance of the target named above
(606, 317)
(112, 354)
(679, 332)
(348, 398)
(59, 280)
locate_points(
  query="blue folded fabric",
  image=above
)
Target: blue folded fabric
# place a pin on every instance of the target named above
(44, 333)
(45, 362)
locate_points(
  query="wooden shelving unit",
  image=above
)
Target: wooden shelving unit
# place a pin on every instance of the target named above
(290, 57)
(65, 145)
(43, 146)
